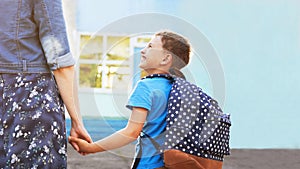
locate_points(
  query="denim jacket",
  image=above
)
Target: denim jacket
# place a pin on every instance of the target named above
(33, 36)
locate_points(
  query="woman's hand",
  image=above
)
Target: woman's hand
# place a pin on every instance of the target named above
(78, 131)
(84, 147)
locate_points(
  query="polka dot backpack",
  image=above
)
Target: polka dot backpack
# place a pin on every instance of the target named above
(195, 123)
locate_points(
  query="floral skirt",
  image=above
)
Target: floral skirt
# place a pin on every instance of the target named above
(32, 122)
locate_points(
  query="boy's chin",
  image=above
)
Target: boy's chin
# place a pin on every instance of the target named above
(142, 66)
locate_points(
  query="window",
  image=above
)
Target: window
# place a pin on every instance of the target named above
(91, 52)
(109, 61)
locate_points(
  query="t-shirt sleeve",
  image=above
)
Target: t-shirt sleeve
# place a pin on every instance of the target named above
(140, 97)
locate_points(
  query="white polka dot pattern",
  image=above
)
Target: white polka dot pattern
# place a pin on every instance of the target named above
(195, 123)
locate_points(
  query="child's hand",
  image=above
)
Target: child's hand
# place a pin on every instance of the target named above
(78, 131)
(84, 146)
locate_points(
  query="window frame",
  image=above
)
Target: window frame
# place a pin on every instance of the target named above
(133, 42)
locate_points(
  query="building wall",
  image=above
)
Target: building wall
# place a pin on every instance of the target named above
(248, 57)
(70, 9)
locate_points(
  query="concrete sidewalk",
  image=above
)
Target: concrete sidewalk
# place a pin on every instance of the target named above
(239, 159)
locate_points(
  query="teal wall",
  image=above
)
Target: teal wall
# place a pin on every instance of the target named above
(256, 48)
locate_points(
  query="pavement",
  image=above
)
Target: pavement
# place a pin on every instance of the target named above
(239, 159)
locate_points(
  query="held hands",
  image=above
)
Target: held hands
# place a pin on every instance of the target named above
(84, 147)
(78, 132)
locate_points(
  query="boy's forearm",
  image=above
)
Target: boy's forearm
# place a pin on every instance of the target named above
(116, 140)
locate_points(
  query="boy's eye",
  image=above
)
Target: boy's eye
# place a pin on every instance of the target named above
(149, 46)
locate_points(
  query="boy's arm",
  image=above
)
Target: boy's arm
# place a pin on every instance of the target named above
(120, 138)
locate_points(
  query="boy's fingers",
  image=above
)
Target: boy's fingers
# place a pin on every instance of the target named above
(73, 142)
(87, 139)
(74, 139)
(75, 146)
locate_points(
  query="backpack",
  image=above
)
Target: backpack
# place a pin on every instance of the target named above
(196, 125)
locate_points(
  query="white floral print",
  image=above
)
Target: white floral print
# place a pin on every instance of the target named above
(32, 124)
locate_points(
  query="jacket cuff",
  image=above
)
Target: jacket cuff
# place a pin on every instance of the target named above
(63, 61)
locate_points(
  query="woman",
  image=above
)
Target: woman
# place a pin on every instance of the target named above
(36, 82)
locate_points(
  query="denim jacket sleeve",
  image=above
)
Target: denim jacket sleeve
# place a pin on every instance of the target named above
(48, 15)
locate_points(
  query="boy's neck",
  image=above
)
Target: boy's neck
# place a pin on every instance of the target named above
(150, 72)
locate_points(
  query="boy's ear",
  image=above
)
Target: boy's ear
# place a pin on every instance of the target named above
(167, 59)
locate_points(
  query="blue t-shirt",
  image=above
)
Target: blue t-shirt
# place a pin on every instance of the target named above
(151, 94)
